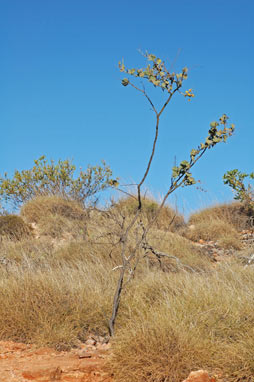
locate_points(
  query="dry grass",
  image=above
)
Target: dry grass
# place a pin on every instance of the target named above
(173, 318)
(220, 223)
(193, 322)
(178, 246)
(13, 227)
(75, 280)
(56, 217)
(233, 214)
(34, 210)
(215, 230)
(52, 296)
(168, 219)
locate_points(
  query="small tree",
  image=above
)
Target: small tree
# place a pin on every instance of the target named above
(170, 83)
(50, 178)
(245, 193)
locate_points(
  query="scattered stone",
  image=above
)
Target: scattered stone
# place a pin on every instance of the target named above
(84, 354)
(199, 376)
(91, 341)
(104, 346)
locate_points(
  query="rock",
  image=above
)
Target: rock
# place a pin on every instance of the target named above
(104, 346)
(90, 341)
(84, 354)
(91, 348)
(199, 376)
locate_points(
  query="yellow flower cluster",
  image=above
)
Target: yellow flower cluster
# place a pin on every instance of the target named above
(188, 93)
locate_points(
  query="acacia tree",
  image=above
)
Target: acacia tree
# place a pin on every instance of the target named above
(170, 83)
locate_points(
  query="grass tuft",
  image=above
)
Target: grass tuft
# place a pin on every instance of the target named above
(195, 321)
(168, 219)
(233, 214)
(13, 227)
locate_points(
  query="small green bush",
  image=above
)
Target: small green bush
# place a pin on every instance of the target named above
(50, 178)
(13, 227)
(245, 193)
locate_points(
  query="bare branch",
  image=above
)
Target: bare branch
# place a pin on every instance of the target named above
(159, 254)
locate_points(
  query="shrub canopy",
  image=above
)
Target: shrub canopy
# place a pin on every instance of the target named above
(50, 178)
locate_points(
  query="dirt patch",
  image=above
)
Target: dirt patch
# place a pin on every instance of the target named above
(25, 363)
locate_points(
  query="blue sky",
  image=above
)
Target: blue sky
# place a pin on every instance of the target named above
(61, 92)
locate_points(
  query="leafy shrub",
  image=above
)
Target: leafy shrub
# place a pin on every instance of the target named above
(55, 179)
(235, 179)
(13, 227)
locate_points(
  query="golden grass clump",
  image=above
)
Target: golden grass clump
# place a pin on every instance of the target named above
(49, 300)
(232, 213)
(220, 223)
(215, 230)
(56, 217)
(35, 209)
(13, 227)
(195, 321)
(183, 249)
(168, 219)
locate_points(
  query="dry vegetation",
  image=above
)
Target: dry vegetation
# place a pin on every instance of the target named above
(189, 322)
(13, 227)
(220, 223)
(56, 286)
(168, 220)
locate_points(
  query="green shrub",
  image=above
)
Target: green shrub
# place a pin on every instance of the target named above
(245, 193)
(55, 179)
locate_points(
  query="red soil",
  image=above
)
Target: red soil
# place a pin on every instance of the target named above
(25, 363)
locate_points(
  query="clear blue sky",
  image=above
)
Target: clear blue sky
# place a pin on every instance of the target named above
(61, 92)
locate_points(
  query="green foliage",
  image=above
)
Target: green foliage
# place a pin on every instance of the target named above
(50, 178)
(158, 75)
(13, 227)
(235, 179)
(215, 136)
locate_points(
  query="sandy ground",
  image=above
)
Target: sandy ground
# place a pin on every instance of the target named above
(23, 363)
